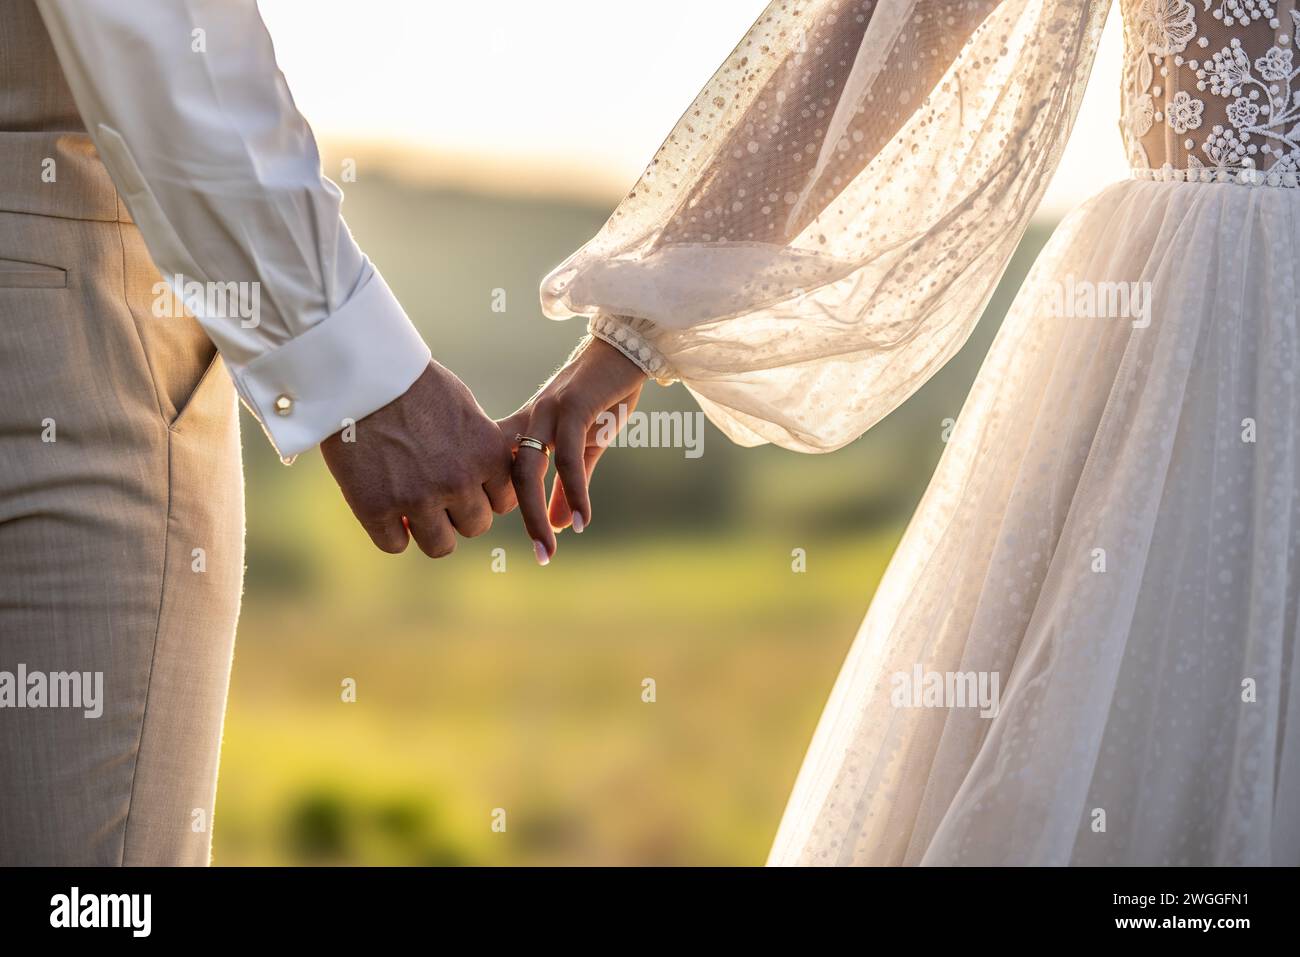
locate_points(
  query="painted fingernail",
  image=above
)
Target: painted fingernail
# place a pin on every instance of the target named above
(578, 523)
(539, 549)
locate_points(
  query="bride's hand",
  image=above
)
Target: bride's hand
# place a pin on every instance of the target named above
(566, 414)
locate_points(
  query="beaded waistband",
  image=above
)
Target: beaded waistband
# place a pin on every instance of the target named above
(1240, 177)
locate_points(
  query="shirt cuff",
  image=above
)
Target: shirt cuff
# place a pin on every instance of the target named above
(350, 364)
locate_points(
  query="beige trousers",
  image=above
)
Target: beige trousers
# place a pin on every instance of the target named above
(121, 542)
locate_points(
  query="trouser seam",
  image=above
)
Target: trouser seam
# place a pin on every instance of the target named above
(162, 586)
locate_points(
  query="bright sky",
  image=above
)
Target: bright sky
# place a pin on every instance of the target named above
(575, 93)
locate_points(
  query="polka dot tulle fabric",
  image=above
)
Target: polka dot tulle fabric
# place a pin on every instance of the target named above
(821, 229)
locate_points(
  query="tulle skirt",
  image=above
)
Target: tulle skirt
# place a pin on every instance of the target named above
(1083, 651)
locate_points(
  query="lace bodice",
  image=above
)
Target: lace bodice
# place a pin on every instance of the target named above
(1210, 89)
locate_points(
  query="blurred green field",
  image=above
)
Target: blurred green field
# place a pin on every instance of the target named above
(479, 689)
(465, 705)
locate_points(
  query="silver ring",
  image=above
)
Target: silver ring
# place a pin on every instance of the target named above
(528, 442)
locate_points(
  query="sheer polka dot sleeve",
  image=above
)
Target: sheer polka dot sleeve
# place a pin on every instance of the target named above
(825, 224)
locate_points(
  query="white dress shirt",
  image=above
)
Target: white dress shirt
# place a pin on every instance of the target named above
(221, 174)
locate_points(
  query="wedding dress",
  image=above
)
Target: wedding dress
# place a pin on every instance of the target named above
(1112, 530)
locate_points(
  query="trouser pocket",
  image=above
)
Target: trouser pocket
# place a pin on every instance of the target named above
(15, 274)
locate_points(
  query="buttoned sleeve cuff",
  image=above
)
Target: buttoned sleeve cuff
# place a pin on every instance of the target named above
(345, 367)
(635, 338)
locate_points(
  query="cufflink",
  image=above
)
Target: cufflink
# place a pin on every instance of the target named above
(283, 404)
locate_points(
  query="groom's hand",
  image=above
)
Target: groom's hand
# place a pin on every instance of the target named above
(431, 461)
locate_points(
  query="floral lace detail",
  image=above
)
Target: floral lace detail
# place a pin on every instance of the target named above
(1211, 85)
(1166, 26)
(1184, 112)
(1241, 11)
